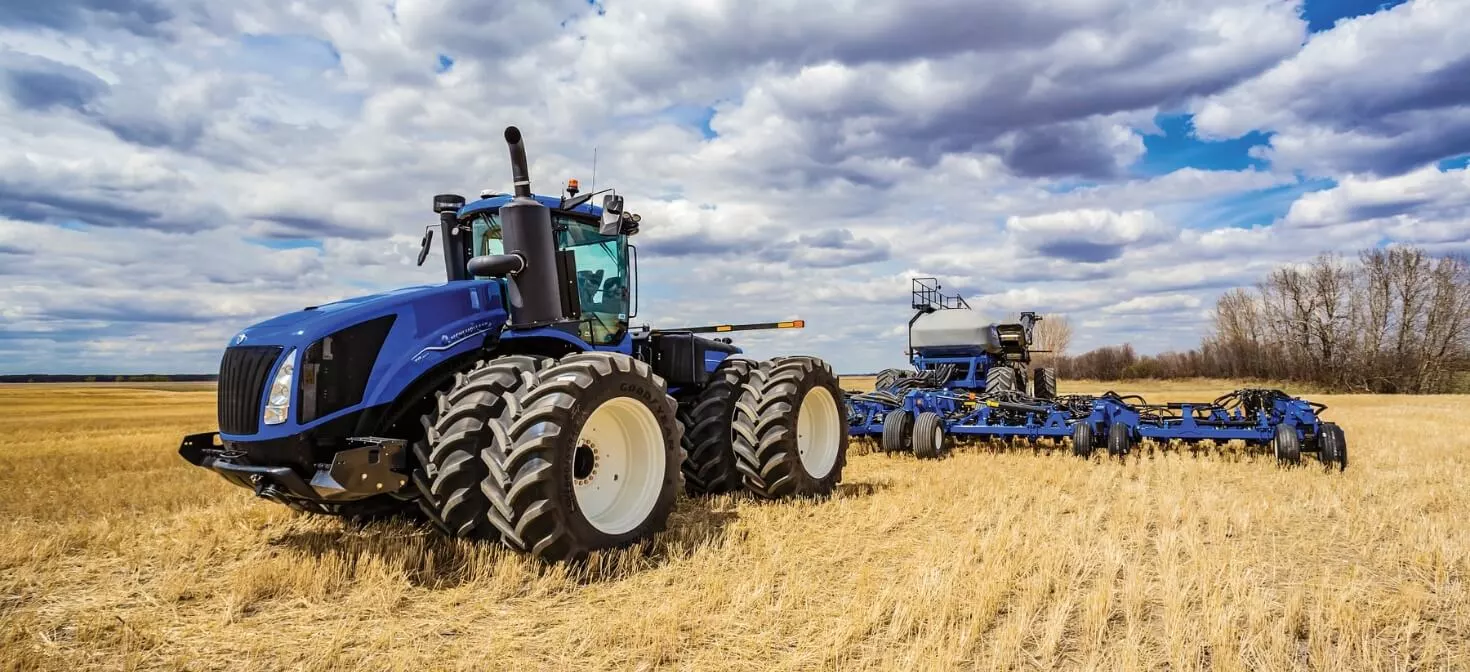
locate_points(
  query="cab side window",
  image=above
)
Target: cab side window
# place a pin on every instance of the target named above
(485, 232)
(602, 262)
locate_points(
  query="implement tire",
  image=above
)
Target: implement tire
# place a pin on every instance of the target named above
(1082, 442)
(896, 435)
(1044, 386)
(710, 467)
(928, 436)
(463, 424)
(1332, 446)
(1287, 445)
(1000, 378)
(790, 437)
(593, 462)
(1120, 442)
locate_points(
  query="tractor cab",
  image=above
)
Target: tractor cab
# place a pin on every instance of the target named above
(597, 263)
(603, 264)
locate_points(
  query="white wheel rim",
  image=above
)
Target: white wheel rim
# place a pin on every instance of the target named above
(938, 438)
(618, 486)
(818, 432)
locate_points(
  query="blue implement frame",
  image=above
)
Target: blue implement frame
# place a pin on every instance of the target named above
(1257, 416)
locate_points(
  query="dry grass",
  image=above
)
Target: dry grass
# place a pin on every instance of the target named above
(115, 554)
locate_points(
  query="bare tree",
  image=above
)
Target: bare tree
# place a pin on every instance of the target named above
(1052, 333)
(1396, 320)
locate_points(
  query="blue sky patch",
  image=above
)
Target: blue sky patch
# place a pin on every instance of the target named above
(693, 116)
(444, 65)
(1323, 14)
(1454, 163)
(275, 53)
(1177, 147)
(287, 243)
(1067, 186)
(1253, 208)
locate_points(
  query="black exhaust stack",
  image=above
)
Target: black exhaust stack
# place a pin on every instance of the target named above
(530, 260)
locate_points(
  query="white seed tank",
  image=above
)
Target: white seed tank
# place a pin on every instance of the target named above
(954, 327)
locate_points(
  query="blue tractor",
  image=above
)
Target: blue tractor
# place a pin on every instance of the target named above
(515, 402)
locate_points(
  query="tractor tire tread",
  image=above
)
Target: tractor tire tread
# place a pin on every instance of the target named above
(533, 506)
(1044, 384)
(1000, 379)
(467, 416)
(710, 466)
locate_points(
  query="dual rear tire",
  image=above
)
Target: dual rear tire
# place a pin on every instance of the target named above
(789, 433)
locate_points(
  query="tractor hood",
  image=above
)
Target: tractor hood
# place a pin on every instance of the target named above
(357, 353)
(419, 303)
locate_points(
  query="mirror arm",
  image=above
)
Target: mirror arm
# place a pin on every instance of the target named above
(424, 244)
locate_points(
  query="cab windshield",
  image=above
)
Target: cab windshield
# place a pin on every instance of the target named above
(602, 262)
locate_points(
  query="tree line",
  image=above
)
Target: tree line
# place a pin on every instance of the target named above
(1393, 320)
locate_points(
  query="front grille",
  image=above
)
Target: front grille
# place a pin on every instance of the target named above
(243, 375)
(336, 368)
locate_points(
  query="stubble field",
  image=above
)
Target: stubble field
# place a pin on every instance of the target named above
(115, 554)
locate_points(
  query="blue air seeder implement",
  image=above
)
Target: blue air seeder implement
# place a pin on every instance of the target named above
(969, 380)
(514, 402)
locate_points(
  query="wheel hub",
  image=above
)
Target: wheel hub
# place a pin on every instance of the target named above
(818, 432)
(618, 465)
(584, 463)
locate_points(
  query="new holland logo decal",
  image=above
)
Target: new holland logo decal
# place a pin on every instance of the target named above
(448, 341)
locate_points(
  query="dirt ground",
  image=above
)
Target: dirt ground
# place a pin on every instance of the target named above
(115, 554)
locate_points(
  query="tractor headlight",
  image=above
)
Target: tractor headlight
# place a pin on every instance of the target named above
(278, 405)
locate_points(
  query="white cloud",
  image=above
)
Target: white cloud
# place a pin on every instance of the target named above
(1427, 195)
(850, 156)
(1381, 93)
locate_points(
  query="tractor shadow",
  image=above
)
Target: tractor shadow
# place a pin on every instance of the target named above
(861, 489)
(426, 558)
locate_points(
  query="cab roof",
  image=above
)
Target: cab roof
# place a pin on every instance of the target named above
(553, 202)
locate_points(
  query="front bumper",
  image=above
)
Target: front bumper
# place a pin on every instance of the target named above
(372, 466)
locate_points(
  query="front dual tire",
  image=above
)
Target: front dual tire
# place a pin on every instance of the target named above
(554, 458)
(590, 460)
(559, 458)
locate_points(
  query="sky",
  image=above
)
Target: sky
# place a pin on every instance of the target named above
(174, 170)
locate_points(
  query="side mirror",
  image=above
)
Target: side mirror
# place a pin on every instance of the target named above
(612, 215)
(424, 245)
